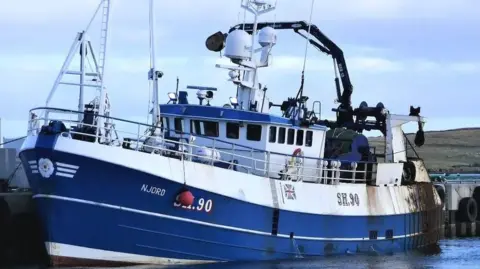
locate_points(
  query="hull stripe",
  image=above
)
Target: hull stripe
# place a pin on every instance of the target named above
(71, 251)
(76, 200)
(63, 174)
(67, 165)
(66, 170)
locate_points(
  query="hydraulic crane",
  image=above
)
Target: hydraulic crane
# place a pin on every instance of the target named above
(346, 115)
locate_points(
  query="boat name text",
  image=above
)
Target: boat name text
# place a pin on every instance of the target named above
(153, 190)
(201, 205)
(348, 199)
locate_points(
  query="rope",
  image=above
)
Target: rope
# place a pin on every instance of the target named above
(244, 16)
(275, 15)
(10, 177)
(307, 40)
(149, 100)
(302, 80)
(11, 141)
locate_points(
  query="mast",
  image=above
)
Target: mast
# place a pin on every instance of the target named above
(101, 66)
(153, 73)
(83, 46)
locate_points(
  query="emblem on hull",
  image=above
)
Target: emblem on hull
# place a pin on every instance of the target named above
(45, 167)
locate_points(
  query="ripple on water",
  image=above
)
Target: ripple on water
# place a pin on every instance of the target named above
(452, 253)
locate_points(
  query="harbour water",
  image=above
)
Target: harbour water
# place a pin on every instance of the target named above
(451, 253)
(457, 176)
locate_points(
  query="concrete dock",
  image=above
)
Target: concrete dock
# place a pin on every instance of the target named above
(461, 207)
(20, 240)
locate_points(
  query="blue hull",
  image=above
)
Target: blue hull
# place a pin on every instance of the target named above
(114, 208)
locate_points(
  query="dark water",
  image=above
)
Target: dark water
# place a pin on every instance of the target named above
(453, 253)
(456, 176)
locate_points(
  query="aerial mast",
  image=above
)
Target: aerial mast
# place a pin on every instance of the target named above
(153, 74)
(84, 47)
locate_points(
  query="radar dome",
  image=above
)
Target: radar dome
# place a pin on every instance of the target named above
(237, 45)
(267, 36)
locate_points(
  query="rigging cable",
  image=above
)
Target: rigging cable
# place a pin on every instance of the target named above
(307, 41)
(244, 15)
(13, 140)
(302, 80)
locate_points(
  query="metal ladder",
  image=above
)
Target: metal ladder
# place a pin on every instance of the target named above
(103, 38)
(98, 70)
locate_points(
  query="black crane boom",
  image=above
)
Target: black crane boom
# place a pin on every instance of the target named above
(347, 117)
(325, 45)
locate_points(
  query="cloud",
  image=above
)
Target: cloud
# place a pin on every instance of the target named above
(413, 62)
(32, 12)
(376, 65)
(372, 64)
(53, 62)
(42, 12)
(364, 64)
(466, 67)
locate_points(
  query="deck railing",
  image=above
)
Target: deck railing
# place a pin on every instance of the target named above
(221, 153)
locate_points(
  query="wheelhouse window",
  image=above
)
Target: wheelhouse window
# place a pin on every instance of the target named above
(309, 139)
(299, 137)
(165, 124)
(233, 130)
(195, 127)
(281, 135)
(291, 136)
(254, 132)
(207, 128)
(211, 128)
(178, 122)
(272, 137)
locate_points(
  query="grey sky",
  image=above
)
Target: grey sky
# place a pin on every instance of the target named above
(400, 52)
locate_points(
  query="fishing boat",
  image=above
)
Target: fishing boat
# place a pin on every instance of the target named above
(201, 183)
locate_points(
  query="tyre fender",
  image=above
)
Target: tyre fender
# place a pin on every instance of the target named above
(467, 210)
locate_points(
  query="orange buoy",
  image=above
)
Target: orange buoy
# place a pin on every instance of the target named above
(185, 198)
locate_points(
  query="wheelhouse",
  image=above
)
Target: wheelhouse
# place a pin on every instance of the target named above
(242, 131)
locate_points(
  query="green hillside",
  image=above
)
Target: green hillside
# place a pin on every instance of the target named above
(456, 150)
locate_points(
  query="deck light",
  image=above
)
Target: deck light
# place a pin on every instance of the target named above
(173, 97)
(234, 102)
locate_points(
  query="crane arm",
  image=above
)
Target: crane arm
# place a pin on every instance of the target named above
(321, 42)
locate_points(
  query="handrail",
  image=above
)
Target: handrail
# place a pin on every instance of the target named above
(145, 125)
(327, 170)
(196, 135)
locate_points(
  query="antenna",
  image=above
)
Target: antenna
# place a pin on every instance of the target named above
(176, 90)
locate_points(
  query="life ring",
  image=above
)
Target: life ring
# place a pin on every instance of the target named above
(467, 210)
(296, 155)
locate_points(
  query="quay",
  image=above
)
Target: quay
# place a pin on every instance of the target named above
(461, 200)
(20, 236)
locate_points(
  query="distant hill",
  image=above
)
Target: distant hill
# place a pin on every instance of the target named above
(456, 150)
